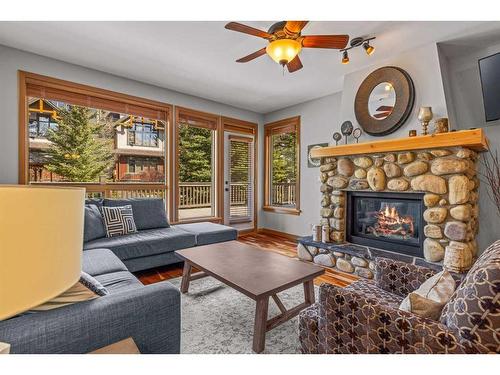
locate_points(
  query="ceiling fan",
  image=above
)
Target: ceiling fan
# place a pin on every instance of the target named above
(286, 41)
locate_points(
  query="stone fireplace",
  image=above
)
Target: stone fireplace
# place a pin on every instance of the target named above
(415, 204)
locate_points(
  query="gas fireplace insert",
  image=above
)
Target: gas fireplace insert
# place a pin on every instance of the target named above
(389, 221)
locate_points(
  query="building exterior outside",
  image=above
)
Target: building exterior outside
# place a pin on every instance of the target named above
(138, 144)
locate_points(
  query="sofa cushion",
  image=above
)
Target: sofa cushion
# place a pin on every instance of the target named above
(145, 242)
(119, 281)
(207, 233)
(100, 261)
(149, 213)
(93, 224)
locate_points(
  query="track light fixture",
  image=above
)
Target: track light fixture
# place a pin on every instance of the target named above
(356, 42)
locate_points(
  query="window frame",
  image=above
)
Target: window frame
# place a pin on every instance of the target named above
(270, 129)
(124, 103)
(208, 121)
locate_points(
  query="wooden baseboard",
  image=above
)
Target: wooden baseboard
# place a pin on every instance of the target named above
(243, 232)
(278, 233)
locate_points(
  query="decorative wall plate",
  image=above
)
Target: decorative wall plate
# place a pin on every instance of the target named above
(314, 162)
(384, 100)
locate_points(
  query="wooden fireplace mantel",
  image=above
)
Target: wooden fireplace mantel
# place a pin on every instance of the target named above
(474, 139)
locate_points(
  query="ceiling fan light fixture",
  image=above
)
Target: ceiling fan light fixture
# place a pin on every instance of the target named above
(283, 50)
(345, 58)
(369, 49)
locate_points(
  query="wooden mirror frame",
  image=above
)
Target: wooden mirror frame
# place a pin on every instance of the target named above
(405, 97)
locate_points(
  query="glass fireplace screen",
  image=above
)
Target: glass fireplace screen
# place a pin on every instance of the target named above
(387, 219)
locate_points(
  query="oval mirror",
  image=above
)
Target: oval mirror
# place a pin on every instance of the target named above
(381, 101)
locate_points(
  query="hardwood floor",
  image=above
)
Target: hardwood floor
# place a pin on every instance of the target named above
(274, 243)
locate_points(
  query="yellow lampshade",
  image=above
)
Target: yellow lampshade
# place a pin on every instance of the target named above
(41, 239)
(283, 50)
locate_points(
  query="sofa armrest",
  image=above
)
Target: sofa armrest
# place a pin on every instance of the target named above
(308, 329)
(149, 314)
(399, 277)
(351, 323)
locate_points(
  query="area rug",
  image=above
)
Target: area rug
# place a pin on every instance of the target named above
(217, 319)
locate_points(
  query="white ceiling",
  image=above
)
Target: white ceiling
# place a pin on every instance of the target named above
(197, 58)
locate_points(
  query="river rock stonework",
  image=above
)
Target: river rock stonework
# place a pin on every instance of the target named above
(447, 177)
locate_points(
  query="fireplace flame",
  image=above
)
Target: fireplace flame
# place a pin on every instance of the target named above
(390, 223)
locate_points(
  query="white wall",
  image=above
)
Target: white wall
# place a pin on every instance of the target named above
(465, 103)
(320, 118)
(12, 60)
(422, 64)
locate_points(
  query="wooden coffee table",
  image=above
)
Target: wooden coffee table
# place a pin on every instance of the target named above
(257, 273)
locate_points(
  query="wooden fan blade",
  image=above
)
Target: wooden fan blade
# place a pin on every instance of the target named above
(295, 27)
(235, 26)
(325, 41)
(252, 56)
(294, 65)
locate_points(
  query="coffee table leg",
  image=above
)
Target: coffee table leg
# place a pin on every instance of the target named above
(309, 292)
(186, 273)
(259, 331)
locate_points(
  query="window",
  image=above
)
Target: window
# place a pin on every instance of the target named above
(143, 133)
(282, 166)
(42, 117)
(78, 135)
(196, 164)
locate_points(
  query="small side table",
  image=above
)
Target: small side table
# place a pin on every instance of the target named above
(126, 346)
(4, 348)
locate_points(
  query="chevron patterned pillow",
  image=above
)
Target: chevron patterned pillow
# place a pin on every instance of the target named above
(118, 220)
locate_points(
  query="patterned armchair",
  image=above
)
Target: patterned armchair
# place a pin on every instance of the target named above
(364, 317)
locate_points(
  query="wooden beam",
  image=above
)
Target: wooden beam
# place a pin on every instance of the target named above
(474, 139)
(279, 303)
(289, 314)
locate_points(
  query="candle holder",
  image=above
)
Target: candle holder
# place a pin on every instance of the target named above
(425, 116)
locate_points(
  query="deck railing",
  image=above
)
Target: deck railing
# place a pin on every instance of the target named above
(199, 194)
(116, 189)
(283, 193)
(195, 194)
(191, 194)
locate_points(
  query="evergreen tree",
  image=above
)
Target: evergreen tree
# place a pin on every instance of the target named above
(77, 152)
(195, 157)
(284, 158)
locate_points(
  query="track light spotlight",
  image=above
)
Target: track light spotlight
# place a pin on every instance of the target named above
(369, 49)
(345, 58)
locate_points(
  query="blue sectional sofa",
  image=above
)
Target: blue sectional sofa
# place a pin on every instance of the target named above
(149, 314)
(156, 240)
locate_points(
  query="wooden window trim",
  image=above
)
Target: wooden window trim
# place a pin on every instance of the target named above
(132, 103)
(209, 118)
(272, 128)
(250, 128)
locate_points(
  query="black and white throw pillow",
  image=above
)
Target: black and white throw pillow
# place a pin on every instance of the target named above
(118, 220)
